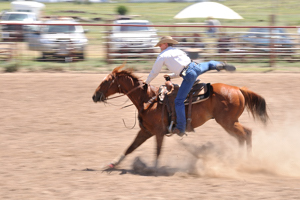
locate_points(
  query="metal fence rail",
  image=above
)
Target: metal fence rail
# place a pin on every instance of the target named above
(228, 44)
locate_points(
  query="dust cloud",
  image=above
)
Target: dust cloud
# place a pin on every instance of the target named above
(275, 152)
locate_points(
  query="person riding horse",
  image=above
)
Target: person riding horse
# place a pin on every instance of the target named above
(181, 65)
(225, 106)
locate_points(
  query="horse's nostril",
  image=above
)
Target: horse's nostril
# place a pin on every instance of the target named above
(97, 97)
(94, 98)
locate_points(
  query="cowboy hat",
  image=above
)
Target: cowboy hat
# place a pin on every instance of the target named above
(166, 39)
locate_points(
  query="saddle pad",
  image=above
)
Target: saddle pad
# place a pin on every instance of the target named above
(200, 92)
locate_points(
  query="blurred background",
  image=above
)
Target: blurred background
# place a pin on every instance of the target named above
(96, 35)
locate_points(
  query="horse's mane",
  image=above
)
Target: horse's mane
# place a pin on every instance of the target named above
(125, 72)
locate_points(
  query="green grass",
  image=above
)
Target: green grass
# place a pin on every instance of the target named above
(255, 12)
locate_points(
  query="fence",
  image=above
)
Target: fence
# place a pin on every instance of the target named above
(7, 50)
(231, 43)
(262, 44)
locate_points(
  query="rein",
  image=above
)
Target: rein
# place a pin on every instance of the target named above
(130, 91)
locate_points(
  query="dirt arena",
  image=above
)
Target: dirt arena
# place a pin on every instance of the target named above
(54, 140)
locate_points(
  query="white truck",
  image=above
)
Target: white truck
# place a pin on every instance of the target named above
(28, 6)
(22, 12)
(133, 39)
(54, 40)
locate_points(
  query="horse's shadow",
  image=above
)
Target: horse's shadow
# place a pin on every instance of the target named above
(140, 168)
(203, 152)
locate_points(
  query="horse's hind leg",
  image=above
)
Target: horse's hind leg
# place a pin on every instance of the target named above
(159, 142)
(141, 137)
(240, 132)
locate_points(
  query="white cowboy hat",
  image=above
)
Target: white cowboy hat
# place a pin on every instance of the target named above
(166, 39)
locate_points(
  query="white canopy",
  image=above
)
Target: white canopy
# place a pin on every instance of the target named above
(208, 9)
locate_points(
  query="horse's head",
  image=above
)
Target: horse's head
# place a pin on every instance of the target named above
(108, 86)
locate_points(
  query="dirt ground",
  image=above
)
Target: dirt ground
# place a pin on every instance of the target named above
(54, 140)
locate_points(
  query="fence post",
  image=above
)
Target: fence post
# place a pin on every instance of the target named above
(108, 60)
(272, 53)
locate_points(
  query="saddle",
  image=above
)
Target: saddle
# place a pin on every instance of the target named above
(199, 92)
(167, 94)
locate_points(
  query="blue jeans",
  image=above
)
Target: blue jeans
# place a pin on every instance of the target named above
(192, 73)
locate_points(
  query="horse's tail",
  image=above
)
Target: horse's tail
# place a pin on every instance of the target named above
(255, 104)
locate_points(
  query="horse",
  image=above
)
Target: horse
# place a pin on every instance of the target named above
(225, 105)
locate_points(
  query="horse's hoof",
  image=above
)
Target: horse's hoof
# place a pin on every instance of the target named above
(108, 167)
(111, 166)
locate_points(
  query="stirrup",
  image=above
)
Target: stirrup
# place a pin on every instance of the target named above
(169, 134)
(170, 127)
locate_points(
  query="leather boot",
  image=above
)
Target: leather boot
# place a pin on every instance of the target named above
(225, 66)
(178, 132)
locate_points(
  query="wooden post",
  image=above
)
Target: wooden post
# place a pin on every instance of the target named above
(107, 33)
(271, 45)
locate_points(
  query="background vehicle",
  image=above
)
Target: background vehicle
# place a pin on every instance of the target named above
(28, 6)
(133, 39)
(262, 38)
(16, 32)
(21, 12)
(58, 40)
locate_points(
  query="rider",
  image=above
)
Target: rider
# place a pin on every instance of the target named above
(182, 66)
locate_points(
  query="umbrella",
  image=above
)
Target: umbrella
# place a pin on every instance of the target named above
(208, 9)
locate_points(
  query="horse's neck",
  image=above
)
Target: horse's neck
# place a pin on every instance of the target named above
(138, 97)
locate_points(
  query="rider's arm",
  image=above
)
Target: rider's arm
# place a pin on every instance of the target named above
(155, 69)
(173, 75)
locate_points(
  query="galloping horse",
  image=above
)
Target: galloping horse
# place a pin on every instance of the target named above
(225, 104)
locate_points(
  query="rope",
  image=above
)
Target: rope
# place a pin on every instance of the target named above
(133, 124)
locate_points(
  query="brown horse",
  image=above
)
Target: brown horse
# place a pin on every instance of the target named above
(225, 104)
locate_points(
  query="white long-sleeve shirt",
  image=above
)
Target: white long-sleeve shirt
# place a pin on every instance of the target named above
(174, 59)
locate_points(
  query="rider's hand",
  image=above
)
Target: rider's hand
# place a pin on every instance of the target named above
(145, 87)
(167, 77)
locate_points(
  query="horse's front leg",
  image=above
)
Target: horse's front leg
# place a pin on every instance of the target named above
(141, 137)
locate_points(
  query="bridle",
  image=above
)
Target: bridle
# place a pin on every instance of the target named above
(115, 78)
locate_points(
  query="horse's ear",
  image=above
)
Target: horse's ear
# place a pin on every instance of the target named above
(118, 69)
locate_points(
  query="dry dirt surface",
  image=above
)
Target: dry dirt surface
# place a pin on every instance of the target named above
(54, 140)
